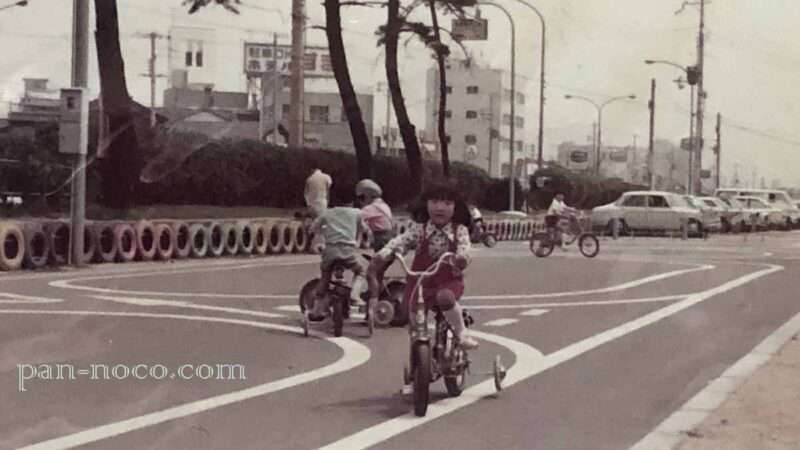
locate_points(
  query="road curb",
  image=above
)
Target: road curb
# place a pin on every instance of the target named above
(672, 432)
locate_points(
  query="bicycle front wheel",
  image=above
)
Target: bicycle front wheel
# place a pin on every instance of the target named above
(422, 378)
(589, 245)
(541, 245)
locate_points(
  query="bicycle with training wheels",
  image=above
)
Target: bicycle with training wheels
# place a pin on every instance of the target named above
(543, 243)
(338, 293)
(439, 355)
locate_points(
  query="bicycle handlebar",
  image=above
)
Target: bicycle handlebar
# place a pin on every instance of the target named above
(424, 273)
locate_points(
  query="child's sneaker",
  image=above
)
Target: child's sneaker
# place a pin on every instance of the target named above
(467, 342)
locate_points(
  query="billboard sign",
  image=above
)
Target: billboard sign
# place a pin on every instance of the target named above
(470, 29)
(579, 156)
(259, 59)
(618, 156)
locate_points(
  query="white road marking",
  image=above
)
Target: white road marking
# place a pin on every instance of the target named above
(354, 355)
(619, 287)
(528, 360)
(666, 298)
(669, 433)
(534, 312)
(68, 283)
(500, 322)
(528, 366)
(19, 298)
(184, 304)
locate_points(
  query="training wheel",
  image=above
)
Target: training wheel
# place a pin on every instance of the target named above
(384, 313)
(499, 373)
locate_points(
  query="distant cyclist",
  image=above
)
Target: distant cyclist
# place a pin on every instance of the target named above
(558, 214)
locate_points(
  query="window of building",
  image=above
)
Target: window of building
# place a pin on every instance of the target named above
(189, 58)
(343, 117)
(472, 114)
(252, 52)
(519, 146)
(254, 65)
(520, 98)
(470, 139)
(318, 113)
(447, 138)
(472, 89)
(448, 114)
(449, 89)
(266, 52)
(506, 119)
(519, 121)
(198, 55)
(285, 109)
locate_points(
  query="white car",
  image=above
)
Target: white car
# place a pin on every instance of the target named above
(728, 214)
(765, 215)
(773, 197)
(712, 215)
(648, 210)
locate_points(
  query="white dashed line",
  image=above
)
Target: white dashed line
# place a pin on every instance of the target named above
(500, 322)
(184, 304)
(534, 312)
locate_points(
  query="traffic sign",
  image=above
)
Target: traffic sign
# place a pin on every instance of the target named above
(470, 29)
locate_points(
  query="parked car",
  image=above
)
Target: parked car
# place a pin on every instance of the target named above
(648, 210)
(765, 215)
(773, 197)
(712, 217)
(728, 214)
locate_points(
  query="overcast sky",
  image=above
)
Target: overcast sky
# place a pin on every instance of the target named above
(595, 48)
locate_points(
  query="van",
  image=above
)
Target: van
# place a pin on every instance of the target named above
(774, 197)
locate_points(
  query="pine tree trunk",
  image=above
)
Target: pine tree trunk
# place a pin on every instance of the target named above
(122, 161)
(440, 58)
(358, 130)
(407, 130)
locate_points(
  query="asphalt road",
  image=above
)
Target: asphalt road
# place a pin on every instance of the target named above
(599, 351)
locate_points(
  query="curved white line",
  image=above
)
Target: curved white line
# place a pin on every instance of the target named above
(19, 298)
(67, 283)
(355, 354)
(528, 361)
(184, 304)
(665, 298)
(527, 367)
(619, 287)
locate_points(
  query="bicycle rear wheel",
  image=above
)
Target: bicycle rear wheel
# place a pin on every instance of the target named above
(588, 245)
(422, 378)
(541, 245)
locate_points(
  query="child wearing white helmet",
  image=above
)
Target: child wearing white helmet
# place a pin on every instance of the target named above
(375, 212)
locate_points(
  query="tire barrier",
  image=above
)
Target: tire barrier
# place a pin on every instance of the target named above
(300, 237)
(182, 243)
(58, 236)
(36, 246)
(12, 246)
(145, 240)
(287, 238)
(165, 241)
(198, 240)
(261, 238)
(245, 234)
(105, 242)
(276, 238)
(125, 237)
(230, 239)
(89, 245)
(216, 240)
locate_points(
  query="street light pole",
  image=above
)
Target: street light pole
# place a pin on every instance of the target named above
(80, 78)
(599, 109)
(19, 3)
(540, 138)
(512, 175)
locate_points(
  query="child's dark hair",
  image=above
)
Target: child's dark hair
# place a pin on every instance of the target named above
(441, 190)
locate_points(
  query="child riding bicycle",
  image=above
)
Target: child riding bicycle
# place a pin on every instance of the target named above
(558, 215)
(441, 225)
(340, 228)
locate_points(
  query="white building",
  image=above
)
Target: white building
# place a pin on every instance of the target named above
(192, 60)
(479, 116)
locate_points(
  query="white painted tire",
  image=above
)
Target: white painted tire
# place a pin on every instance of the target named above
(165, 241)
(145, 240)
(299, 237)
(36, 246)
(58, 237)
(260, 239)
(125, 235)
(245, 233)
(230, 237)
(182, 240)
(12, 246)
(198, 240)
(216, 239)
(105, 243)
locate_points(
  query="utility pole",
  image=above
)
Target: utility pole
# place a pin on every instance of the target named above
(595, 150)
(80, 78)
(701, 97)
(297, 83)
(388, 117)
(718, 149)
(276, 88)
(650, 151)
(151, 73)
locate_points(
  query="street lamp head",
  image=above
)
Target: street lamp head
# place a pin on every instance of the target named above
(649, 61)
(632, 97)
(567, 96)
(22, 3)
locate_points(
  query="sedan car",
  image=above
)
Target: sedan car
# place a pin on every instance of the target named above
(761, 213)
(648, 210)
(728, 214)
